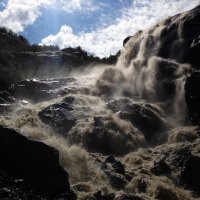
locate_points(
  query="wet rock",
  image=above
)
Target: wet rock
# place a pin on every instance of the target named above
(115, 172)
(5, 108)
(117, 181)
(192, 54)
(165, 194)
(99, 196)
(117, 166)
(6, 97)
(128, 197)
(59, 116)
(174, 155)
(35, 162)
(190, 175)
(37, 90)
(161, 168)
(192, 95)
(142, 186)
(191, 30)
(146, 117)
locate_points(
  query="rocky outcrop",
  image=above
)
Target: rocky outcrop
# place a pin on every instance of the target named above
(35, 162)
(192, 95)
(59, 116)
(19, 60)
(148, 118)
(161, 168)
(37, 90)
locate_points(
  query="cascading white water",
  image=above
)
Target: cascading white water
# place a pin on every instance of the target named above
(152, 78)
(143, 75)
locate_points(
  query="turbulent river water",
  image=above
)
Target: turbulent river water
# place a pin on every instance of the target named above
(120, 110)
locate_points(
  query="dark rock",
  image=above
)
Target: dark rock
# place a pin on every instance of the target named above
(110, 159)
(146, 117)
(142, 186)
(38, 90)
(35, 162)
(115, 172)
(193, 53)
(59, 116)
(6, 97)
(117, 166)
(190, 175)
(161, 168)
(191, 31)
(128, 197)
(99, 196)
(165, 194)
(175, 156)
(126, 40)
(4, 193)
(192, 95)
(117, 181)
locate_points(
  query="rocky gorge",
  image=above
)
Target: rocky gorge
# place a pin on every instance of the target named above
(74, 126)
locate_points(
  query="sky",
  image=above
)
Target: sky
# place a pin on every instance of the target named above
(98, 26)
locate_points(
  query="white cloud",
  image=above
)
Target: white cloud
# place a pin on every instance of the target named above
(18, 14)
(21, 13)
(78, 5)
(108, 40)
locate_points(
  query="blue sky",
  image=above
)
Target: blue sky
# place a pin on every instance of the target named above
(52, 19)
(98, 26)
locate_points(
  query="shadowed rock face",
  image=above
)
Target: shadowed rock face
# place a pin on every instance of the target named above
(192, 95)
(190, 174)
(35, 162)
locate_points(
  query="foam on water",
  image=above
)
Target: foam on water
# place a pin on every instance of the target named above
(143, 75)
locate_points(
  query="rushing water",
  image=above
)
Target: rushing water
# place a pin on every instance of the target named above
(144, 79)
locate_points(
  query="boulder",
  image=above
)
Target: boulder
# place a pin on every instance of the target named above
(116, 180)
(165, 194)
(190, 174)
(33, 161)
(59, 116)
(116, 166)
(146, 117)
(161, 168)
